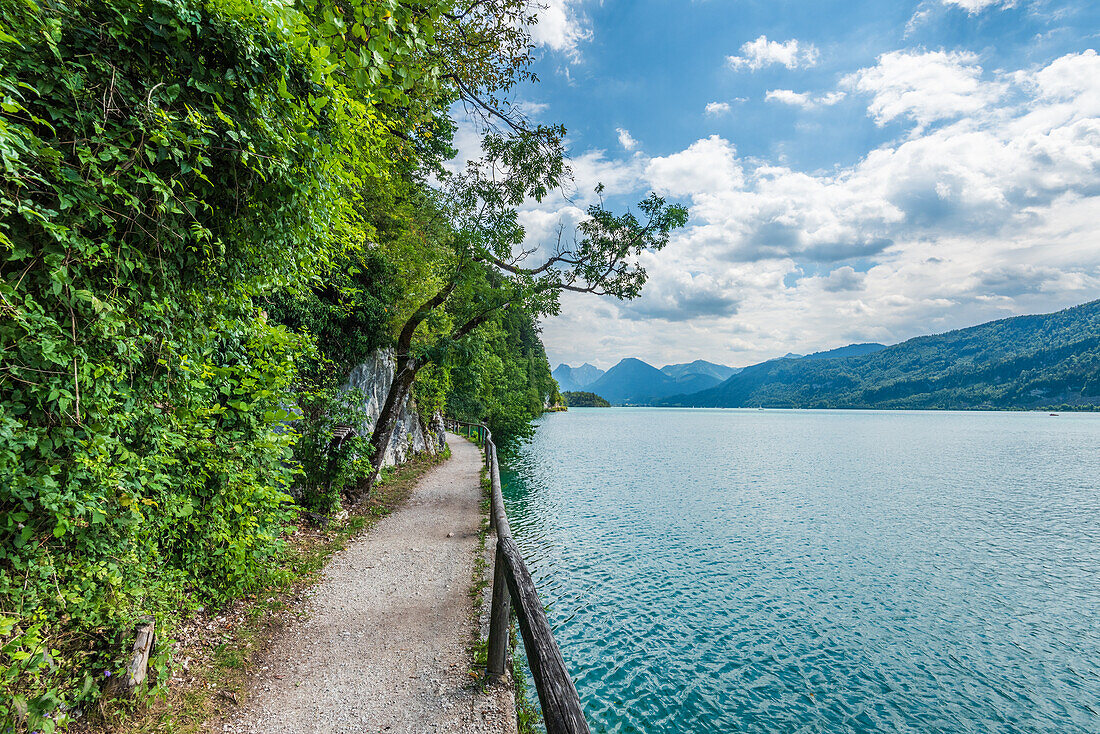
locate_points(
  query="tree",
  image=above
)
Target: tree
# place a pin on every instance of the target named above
(489, 270)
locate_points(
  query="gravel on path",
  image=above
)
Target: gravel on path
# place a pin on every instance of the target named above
(384, 647)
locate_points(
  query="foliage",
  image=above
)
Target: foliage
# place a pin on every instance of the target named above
(503, 378)
(210, 210)
(165, 164)
(329, 462)
(1026, 362)
(578, 399)
(348, 314)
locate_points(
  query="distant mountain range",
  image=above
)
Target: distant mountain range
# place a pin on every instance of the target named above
(1047, 360)
(700, 367)
(634, 382)
(1043, 361)
(572, 379)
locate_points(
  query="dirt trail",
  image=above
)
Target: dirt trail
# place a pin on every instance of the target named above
(384, 647)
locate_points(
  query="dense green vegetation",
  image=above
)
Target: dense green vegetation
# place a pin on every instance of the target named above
(1027, 362)
(579, 399)
(210, 210)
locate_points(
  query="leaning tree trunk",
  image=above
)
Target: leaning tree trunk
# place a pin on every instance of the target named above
(407, 367)
(396, 397)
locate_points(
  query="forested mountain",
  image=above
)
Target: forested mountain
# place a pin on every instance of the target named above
(700, 367)
(634, 382)
(1049, 360)
(575, 378)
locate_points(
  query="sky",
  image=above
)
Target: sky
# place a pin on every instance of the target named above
(854, 171)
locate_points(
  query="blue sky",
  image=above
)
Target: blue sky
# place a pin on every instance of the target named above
(854, 171)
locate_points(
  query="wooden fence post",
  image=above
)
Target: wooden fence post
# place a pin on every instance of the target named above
(500, 618)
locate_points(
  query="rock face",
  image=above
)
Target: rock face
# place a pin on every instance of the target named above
(411, 436)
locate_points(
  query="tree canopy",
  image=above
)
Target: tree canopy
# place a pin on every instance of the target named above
(209, 211)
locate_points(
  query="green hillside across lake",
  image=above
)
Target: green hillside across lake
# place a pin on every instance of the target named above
(1026, 362)
(579, 399)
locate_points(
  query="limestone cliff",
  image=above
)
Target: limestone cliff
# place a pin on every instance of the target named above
(412, 435)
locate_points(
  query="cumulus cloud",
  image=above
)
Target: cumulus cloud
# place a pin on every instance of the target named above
(531, 109)
(717, 108)
(788, 96)
(924, 86)
(682, 296)
(842, 280)
(625, 139)
(974, 212)
(805, 100)
(561, 26)
(757, 54)
(706, 165)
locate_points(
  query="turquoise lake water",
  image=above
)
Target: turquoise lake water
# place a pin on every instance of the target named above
(819, 571)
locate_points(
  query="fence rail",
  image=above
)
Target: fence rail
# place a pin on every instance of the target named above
(512, 584)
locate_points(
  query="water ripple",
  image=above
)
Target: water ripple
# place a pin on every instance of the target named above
(818, 571)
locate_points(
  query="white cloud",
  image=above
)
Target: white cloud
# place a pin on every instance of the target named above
(562, 26)
(973, 7)
(1071, 78)
(920, 15)
(991, 212)
(762, 52)
(625, 139)
(804, 100)
(787, 96)
(531, 109)
(842, 280)
(717, 108)
(924, 86)
(706, 165)
(594, 167)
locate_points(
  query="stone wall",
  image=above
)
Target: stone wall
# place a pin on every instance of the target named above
(412, 435)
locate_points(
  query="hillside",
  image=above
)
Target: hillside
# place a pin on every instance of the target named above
(1049, 360)
(584, 400)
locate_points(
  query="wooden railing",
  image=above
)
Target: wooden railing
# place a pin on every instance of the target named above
(512, 583)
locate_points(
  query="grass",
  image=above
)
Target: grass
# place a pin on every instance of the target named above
(220, 664)
(479, 582)
(528, 714)
(527, 711)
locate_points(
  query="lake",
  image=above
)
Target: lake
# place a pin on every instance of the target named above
(818, 571)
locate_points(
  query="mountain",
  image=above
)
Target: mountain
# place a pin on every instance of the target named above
(700, 367)
(574, 378)
(852, 350)
(634, 382)
(1048, 360)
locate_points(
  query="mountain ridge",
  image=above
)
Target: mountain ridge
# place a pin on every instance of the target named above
(700, 367)
(1018, 362)
(572, 379)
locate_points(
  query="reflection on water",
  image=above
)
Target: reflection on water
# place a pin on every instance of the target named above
(819, 571)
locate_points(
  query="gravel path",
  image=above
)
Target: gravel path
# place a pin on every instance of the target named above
(384, 647)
